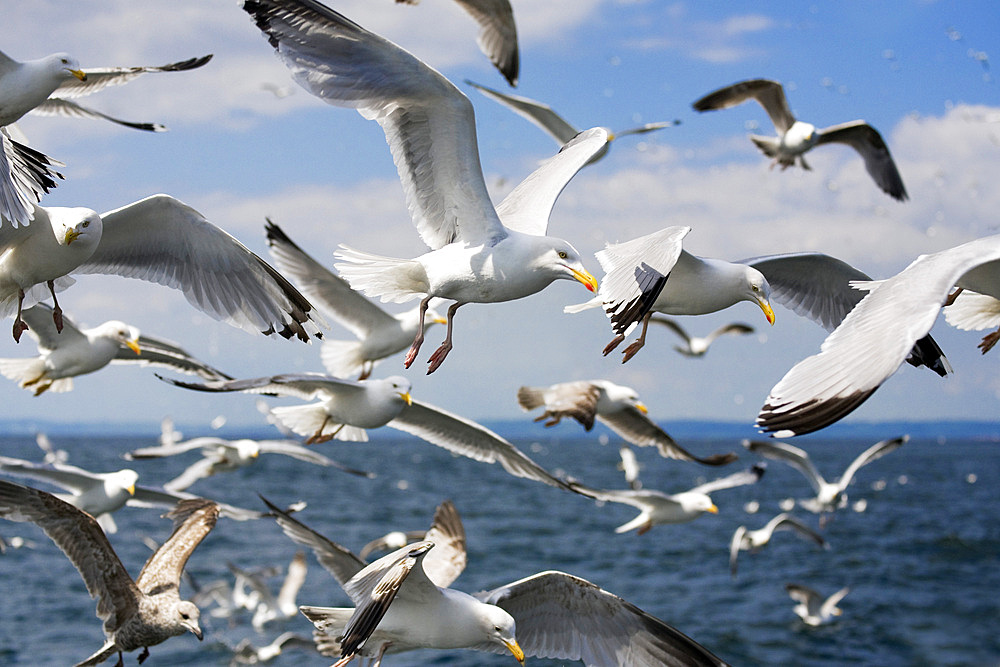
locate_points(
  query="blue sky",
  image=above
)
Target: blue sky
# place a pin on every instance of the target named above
(917, 71)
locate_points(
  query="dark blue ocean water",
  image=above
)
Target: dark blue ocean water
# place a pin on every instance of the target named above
(923, 560)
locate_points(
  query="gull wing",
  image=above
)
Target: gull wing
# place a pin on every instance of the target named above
(785, 521)
(872, 148)
(428, 123)
(57, 106)
(300, 385)
(25, 175)
(642, 431)
(769, 94)
(735, 545)
(160, 239)
(876, 451)
(447, 560)
(61, 474)
(42, 328)
(536, 112)
(749, 476)
(576, 400)
(193, 520)
(497, 37)
(166, 354)
(790, 454)
(562, 616)
(102, 77)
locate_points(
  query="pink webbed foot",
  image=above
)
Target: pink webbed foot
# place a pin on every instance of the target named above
(438, 357)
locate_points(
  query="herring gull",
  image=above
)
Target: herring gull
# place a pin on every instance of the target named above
(697, 346)
(636, 284)
(280, 607)
(615, 406)
(754, 540)
(379, 333)
(829, 495)
(345, 408)
(555, 125)
(797, 138)
(479, 254)
(158, 239)
(75, 351)
(245, 653)
(656, 507)
(137, 613)
(400, 606)
(876, 337)
(812, 607)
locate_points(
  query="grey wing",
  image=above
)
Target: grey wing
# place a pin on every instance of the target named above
(172, 449)
(562, 616)
(735, 545)
(323, 287)
(790, 454)
(447, 560)
(673, 325)
(345, 65)
(577, 400)
(805, 595)
(876, 451)
(160, 352)
(866, 140)
(642, 431)
(25, 175)
(77, 534)
(467, 438)
(147, 496)
(160, 239)
(789, 522)
(538, 113)
(67, 476)
(769, 94)
(641, 499)
(57, 106)
(497, 37)
(335, 559)
(300, 385)
(297, 451)
(749, 476)
(735, 328)
(193, 520)
(102, 77)
(42, 327)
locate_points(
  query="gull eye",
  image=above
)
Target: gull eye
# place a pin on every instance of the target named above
(755, 288)
(497, 628)
(86, 223)
(562, 254)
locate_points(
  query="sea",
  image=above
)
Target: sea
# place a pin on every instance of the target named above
(918, 542)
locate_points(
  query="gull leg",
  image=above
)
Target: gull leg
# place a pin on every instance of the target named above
(989, 340)
(437, 358)
(951, 297)
(343, 661)
(381, 652)
(19, 325)
(366, 370)
(318, 435)
(637, 345)
(121, 662)
(418, 340)
(613, 344)
(57, 316)
(144, 654)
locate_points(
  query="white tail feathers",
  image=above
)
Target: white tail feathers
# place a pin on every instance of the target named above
(391, 279)
(342, 358)
(29, 373)
(312, 420)
(529, 398)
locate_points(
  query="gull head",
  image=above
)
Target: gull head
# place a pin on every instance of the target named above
(80, 226)
(563, 262)
(799, 138)
(400, 387)
(121, 333)
(123, 479)
(758, 291)
(697, 503)
(63, 66)
(187, 619)
(247, 449)
(499, 627)
(615, 397)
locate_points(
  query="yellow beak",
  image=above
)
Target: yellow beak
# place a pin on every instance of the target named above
(133, 345)
(406, 397)
(79, 73)
(713, 509)
(439, 320)
(641, 407)
(589, 281)
(768, 311)
(71, 235)
(514, 648)
(131, 489)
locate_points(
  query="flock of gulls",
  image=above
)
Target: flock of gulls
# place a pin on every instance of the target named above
(478, 252)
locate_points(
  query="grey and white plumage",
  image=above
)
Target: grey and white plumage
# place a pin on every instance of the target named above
(345, 408)
(970, 311)
(479, 253)
(158, 239)
(630, 466)
(379, 333)
(697, 346)
(830, 496)
(76, 351)
(136, 613)
(753, 540)
(876, 337)
(636, 284)
(656, 507)
(616, 406)
(812, 607)
(795, 137)
(271, 607)
(245, 653)
(497, 37)
(448, 535)
(557, 127)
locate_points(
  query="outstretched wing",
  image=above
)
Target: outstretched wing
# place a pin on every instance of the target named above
(193, 520)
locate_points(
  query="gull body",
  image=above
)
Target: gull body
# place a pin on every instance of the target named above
(812, 607)
(754, 540)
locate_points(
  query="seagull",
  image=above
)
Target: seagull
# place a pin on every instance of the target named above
(270, 607)
(812, 608)
(968, 310)
(555, 125)
(220, 455)
(102, 494)
(754, 540)
(615, 406)
(345, 408)
(446, 531)
(158, 239)
(42, 86)
(630, 466)
(379, 334)
(795, 138)
(75, 351)
(394, 539)
(245, 653)
(497, 37)
(636, 284)
(697, 346)
(829, 495)
(557, 615)
(137, 613)
(656, 507)
(479, 254)
(875, 337)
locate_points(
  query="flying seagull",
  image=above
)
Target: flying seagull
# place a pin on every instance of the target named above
(812, 607)
(615, 406)
(754, 540)
(697, 346)
(795, 138)
(479, 254)
(136, 613)
(270, 607)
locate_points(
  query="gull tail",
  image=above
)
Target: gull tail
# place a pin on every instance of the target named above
(596, 302)
(100, 656)
(530, 398)
(329, 625)
(312, 421)
(29, 373)
(391, 279)
(342, 358)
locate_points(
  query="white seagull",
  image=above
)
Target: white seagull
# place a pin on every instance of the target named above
(876, 336)
(345, 408)
(812, 607)
(136, 613)
(636, 284)
(497, 37)
(158, 239)
(697, 346)
(795, 137)
(555, 125)
(656, 507)
(754, 540)
(75, 351)
(282, 606)
(616, 406)
(479, 254)
(379, 333)
(829, 495)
